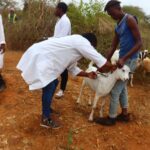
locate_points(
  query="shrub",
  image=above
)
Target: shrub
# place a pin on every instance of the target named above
(37, 20)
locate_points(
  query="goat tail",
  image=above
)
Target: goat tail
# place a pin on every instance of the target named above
(91, 64)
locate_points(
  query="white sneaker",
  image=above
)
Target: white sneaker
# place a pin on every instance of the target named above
(59, 94)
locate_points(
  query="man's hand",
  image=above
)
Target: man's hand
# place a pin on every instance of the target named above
(120, 63)
(2, 48)
(114, 67)
(92, 75)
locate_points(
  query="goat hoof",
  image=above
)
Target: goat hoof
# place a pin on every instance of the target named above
(131, 85)
(89, 104)
(77, 102)
(90, 119)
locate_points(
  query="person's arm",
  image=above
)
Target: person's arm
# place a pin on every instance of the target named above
(2, 36)
(113, 46)
(90, 52)
(91, 75)
(107, 67)
(132, 24)
(76, 71)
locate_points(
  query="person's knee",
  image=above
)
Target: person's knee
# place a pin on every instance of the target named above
(46, 105)
(114, 96)
(114, 92)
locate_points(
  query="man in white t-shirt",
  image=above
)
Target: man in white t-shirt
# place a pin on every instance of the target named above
(45, 61)
(2, 51)
(62, 28)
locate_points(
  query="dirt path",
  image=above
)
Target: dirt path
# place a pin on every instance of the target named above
(20, 117)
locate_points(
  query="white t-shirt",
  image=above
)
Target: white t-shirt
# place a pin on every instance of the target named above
(44, 62)
(62, 27)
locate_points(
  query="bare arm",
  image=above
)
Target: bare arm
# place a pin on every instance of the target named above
(76, 71)
(108, 67)
(91, 75)
(138, 42)
(113, 46)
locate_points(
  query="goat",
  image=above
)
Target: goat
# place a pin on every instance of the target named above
(142, 55)
(103, 85)
(146, 65)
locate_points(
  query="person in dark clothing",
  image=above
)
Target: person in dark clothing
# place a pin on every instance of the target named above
(127, 34)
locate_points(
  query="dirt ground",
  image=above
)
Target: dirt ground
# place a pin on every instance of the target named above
(20, 111)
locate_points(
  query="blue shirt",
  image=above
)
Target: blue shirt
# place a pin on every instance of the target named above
(126, 38)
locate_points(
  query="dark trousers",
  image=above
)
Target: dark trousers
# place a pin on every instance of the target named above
(64, 79)
(47, 96)
(2, 82)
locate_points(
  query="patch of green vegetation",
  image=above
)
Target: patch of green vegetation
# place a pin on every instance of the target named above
(38, 20)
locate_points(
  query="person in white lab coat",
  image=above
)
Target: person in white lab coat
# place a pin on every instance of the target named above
(62, 28)
(2, 51)
(45, 61)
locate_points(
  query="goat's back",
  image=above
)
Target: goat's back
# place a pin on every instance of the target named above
(146, 64)
(102, 85)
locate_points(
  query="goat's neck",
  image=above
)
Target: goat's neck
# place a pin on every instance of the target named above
(112, 78)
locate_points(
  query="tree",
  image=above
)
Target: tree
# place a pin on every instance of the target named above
(136, 11)
(8, 3)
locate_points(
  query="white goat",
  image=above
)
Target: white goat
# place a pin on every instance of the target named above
(90, 69)
(103, 85)
(142, 55)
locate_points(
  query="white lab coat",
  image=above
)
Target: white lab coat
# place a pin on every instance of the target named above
(44, 62)
(2, 41)
(62, 27)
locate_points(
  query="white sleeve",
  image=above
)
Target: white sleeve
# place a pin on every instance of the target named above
(73, 69)
(2, 36)
(89, 52)
(64, 29)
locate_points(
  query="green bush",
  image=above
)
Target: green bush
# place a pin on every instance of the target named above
(143, 24)
(33, 24)
(38, 20)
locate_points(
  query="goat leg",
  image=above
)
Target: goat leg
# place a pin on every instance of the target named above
(93, 107)
(90, 99)
(131, 80)
(102, 108)
(79, 98)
